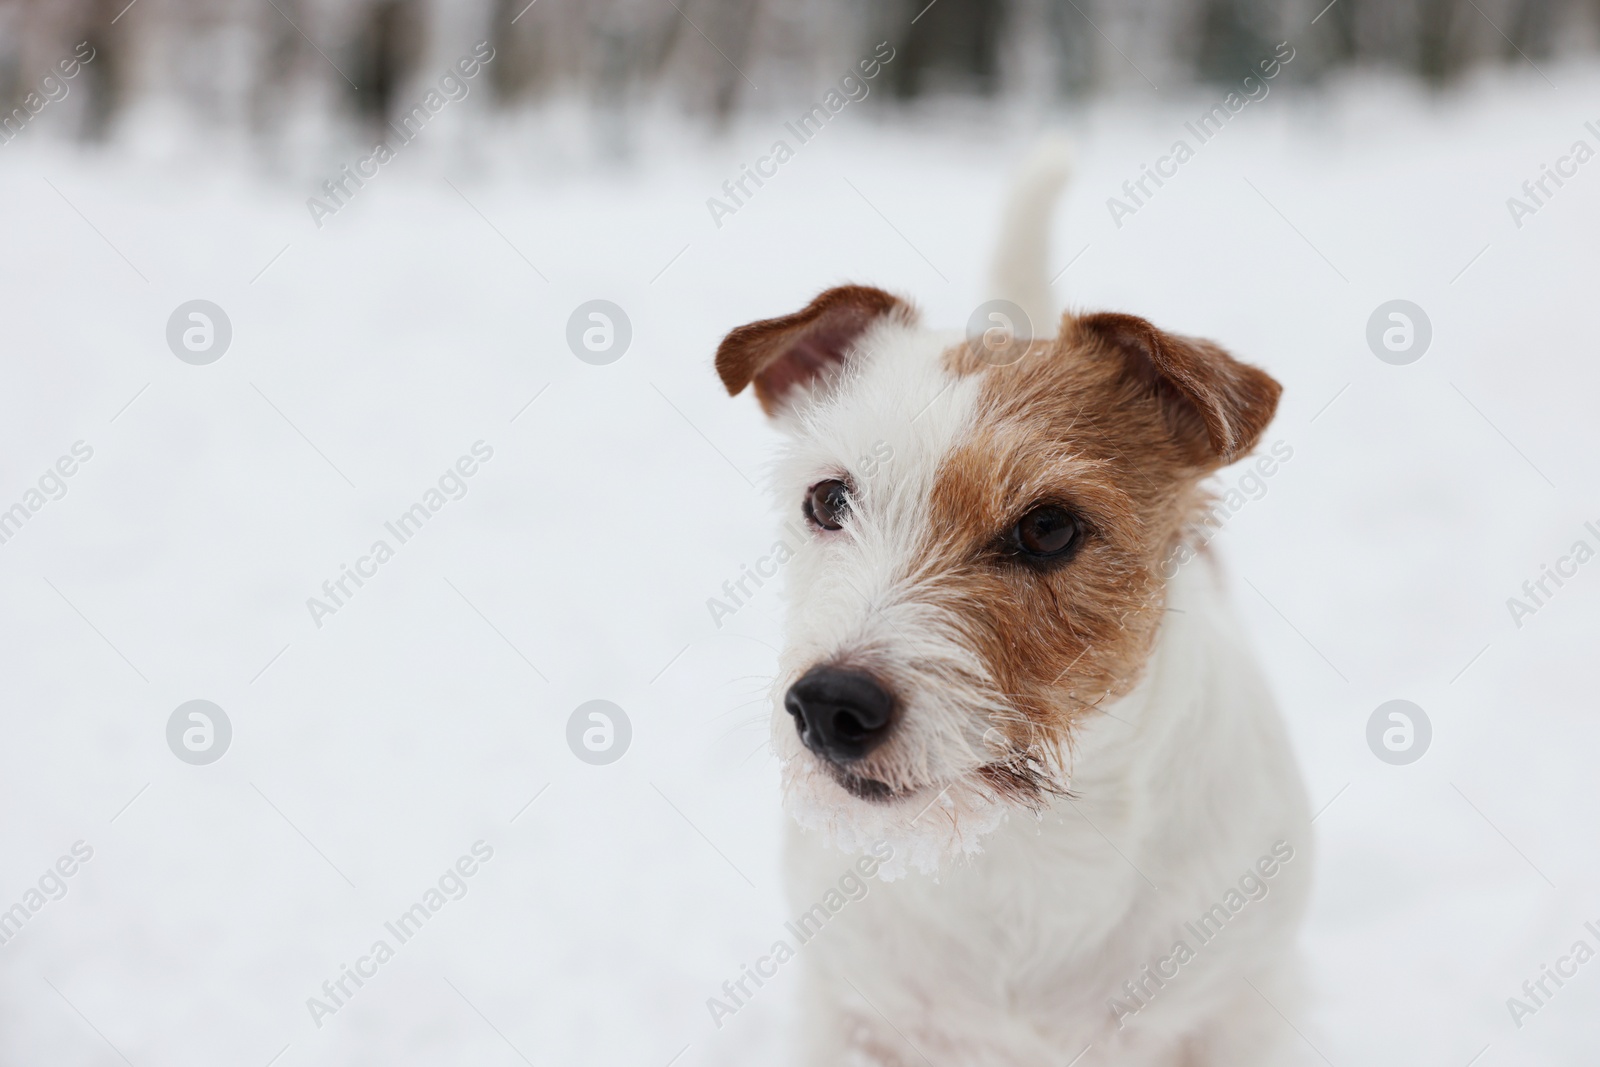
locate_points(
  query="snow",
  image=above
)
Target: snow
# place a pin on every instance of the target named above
(370, 753)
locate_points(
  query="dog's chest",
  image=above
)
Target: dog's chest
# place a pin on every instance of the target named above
(1038, 919)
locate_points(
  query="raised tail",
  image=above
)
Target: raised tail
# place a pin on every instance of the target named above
(1020, 271)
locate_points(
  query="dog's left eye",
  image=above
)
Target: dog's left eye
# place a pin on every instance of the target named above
(1048, 532)
(827, 503)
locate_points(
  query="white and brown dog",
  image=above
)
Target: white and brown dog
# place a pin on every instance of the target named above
(993, 666)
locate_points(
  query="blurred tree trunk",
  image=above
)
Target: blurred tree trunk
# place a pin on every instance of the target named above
(382, 54)
(280, 52)
(1533, 27)
(1232, 37)
(953, 45)
(1074, 40)
(104, 81)
(708, 53)
(1440, 45)
(732, 28)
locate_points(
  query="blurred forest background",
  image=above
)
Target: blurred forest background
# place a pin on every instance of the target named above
(254, 69)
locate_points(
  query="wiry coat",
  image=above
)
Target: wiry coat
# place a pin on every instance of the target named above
(1083, 757)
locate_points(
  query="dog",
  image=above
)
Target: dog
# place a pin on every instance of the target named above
(996, 675)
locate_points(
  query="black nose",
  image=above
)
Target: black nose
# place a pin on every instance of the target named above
(841, 715)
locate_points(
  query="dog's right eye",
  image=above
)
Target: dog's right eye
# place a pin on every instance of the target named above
(827, 503)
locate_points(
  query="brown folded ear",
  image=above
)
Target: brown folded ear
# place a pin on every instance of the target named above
(805, 350)
(1211, 401)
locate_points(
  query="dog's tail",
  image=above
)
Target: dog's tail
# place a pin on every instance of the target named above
(1020, 271)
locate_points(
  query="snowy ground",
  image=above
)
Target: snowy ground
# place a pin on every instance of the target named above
(371, 753)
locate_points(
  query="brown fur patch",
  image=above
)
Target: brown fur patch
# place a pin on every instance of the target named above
(1119, 423)
(1192, 377)
(796, 351)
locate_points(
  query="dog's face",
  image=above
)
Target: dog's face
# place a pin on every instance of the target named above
(985, 547)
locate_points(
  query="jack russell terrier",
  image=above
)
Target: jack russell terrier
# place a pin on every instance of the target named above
(1101, 844)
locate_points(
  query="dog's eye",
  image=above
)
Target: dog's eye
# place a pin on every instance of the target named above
(827, 503)
(1047, 532)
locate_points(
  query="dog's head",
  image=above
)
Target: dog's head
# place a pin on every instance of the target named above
(985, 538)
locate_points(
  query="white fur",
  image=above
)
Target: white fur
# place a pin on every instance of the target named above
(1012, 957)
(860, 595)
(996, 936)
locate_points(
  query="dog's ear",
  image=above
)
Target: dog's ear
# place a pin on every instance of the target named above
(803, 352)
(1215, 405)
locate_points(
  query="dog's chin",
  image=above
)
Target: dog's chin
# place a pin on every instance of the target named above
(925, 824)
(1005, 782)
(871, 790)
